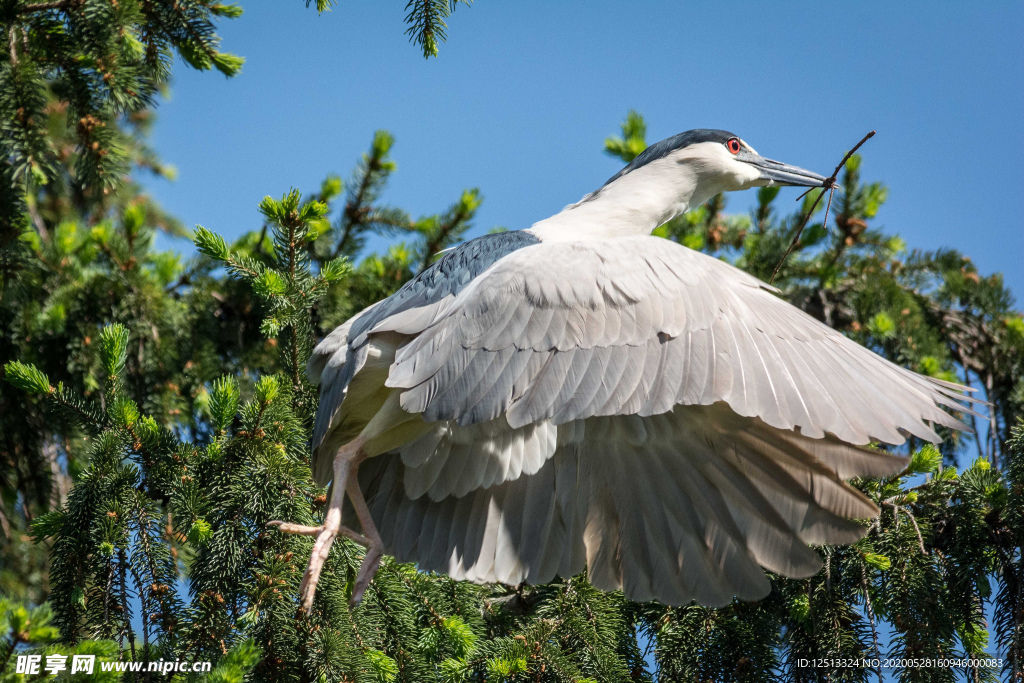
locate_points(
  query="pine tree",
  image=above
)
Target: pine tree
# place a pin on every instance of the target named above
(78, 79)
(1009, 551)
(79, 82)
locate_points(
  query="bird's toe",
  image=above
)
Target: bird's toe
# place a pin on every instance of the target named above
(371, 562)
(300, 529)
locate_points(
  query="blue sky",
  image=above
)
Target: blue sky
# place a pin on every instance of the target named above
(524, 93)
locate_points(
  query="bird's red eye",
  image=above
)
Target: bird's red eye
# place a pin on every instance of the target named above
(734, 145)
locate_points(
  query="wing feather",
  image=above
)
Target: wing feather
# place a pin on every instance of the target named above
(627, 405)
(674, 326)
(684, 505)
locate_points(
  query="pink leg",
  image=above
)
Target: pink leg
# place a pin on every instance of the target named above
(345, 465)
(375, 547)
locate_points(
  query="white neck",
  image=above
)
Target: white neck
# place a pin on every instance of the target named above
(645, 198)
(634, 204)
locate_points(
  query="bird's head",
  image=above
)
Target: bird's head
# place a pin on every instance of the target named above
(669, 178)
(715, 161)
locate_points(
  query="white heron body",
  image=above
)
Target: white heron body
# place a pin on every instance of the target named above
(583, 394)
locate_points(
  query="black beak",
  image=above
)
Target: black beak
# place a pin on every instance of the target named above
(778, 173)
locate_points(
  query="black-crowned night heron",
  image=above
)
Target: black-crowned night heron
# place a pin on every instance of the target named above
(582, 394)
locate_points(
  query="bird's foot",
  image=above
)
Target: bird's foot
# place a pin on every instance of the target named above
(371, 562)
(374, 548)
(325, 535)
(302, 530)
(346, 465)
(321, 549)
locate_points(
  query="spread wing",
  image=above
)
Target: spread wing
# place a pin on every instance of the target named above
(631, 406)
(572, 330)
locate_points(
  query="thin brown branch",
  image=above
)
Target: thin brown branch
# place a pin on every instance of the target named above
(13, 42)
(40, 6)
(37, 220)
(800, 231)
(434, 245)
(896, 510)
(967, 383)
(830, 184)
(355, 214)
(993, 429)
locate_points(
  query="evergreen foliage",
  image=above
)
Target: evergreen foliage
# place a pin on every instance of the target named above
(426, 22)
(93, 62)
(25, 632)
(76, 254)
(170, 392)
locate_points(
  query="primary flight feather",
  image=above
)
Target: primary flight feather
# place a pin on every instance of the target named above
(584, 395)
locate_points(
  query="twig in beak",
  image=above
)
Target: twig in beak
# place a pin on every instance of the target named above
(830, 184)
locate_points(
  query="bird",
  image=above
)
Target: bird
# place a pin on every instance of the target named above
(582, 394)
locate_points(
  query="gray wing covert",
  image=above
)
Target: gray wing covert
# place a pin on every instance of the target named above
(343, 353)
(444, 278)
